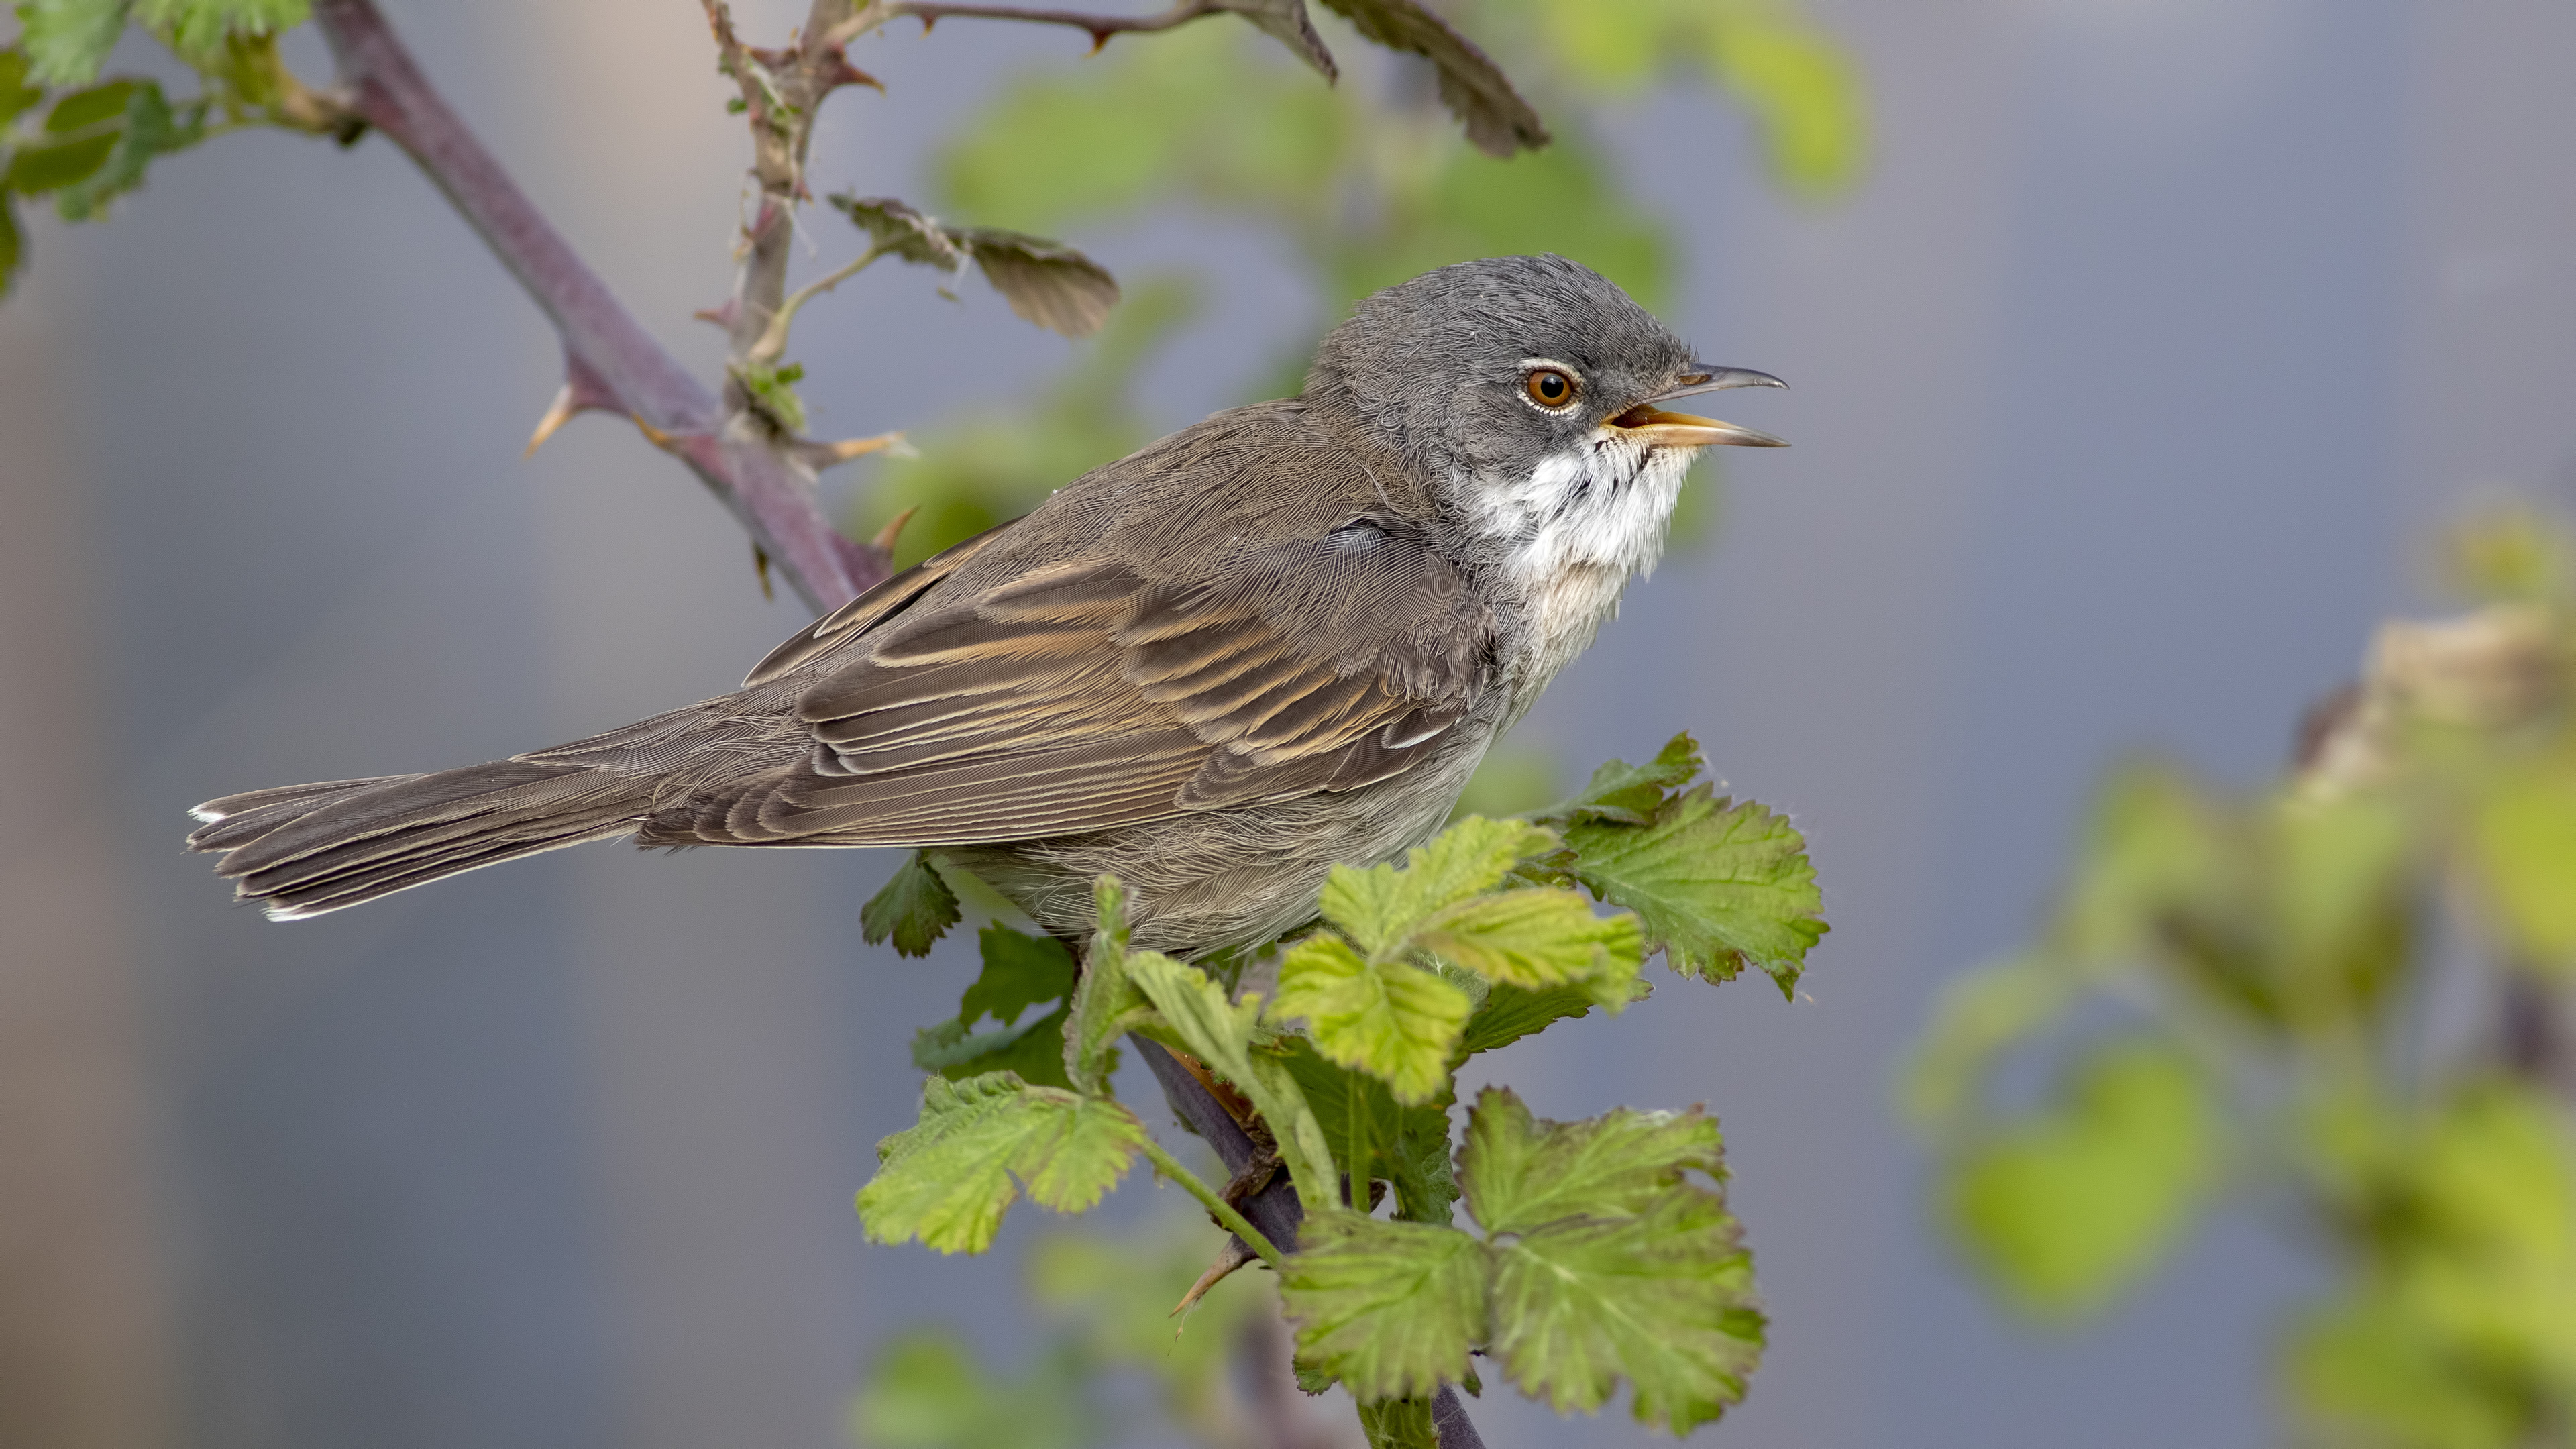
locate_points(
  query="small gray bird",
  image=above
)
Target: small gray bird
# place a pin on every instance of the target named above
(1268, 644)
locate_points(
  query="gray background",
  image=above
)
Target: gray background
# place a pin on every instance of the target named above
(2126, 390)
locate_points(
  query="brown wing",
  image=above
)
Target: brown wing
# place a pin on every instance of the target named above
(1087, 693)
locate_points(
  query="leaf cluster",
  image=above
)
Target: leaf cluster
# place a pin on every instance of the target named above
(2267, 950)
(1604, 1252)
(1600, 1259)
(83, 141)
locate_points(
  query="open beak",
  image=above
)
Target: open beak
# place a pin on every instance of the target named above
(1652, 425)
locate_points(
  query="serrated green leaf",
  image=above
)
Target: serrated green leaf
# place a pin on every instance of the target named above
(1373, 1136)
(947, 1179)
(1196, 1015)
(201, 25)
(1521, 1173)
(1020, 971)
(34, 169)
(1471, 86)
(1664, 1300)
(914, 909)
(1368, 905)
(1106, 1005)
(2071, 1205)
(150, 129)
(1627, 794)
(1509, 1013)
(1396, 1022)
(1398, 1424)
(1534, 939)
(1034, 1049)
(66, 41)
(1715, 883)
(1391, 1308)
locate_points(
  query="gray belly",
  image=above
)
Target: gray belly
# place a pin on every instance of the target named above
(1202, 882)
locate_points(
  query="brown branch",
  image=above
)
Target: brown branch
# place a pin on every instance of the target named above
(931, 12)
(610, 362)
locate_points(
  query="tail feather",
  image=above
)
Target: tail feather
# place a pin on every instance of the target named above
(306, 849)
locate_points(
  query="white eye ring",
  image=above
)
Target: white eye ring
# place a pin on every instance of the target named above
(1550, 386)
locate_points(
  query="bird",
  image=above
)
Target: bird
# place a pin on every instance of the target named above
(1274, 642)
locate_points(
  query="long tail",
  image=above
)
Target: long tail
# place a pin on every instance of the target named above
(302, 850)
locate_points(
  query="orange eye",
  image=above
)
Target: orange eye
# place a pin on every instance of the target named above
(1550, 388)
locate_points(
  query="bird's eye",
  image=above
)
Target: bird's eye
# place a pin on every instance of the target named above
(1549, 388)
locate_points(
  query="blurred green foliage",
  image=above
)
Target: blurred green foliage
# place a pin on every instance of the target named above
(2273, 959)
(67, 134)
(1368, 183)
(1105, 1306)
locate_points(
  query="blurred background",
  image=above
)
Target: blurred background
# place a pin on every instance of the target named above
(2132, 373)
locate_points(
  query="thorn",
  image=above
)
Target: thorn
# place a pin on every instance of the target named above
(760, 566)
(558, 413)
(582, 392)
(1228, 1258)
(652, 434)
(722, 314)
(1099, 41)
(884, 541)
(824, 455)
(846, 74)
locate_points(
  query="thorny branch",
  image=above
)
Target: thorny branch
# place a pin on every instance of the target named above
(611, 363)
(930, 13)
(765, 476)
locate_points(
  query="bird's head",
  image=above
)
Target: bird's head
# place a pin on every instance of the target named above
(1488, 374)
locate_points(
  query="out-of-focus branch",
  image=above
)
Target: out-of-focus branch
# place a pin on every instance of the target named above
(931, 12)
(610, 362)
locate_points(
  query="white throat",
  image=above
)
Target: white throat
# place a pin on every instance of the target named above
(1574, 531)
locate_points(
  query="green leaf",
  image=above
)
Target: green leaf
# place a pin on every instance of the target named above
(1047, 283)
(201, 25)
(1034, 1049)
(1534, 939)
(1665, 1300)
(50, 168)
(66, 41)
(1019, 972)
(2524, 844)
(1627, 794)
(947, 1179)
(13, 247)
(1803, 91)
(1399, 1424)
(1396, 1022)
(150, 129)
(772, 393)
(16, 95)
(1375, 1137)
(1509, 1013)
(1193, 1011)
(1522, 1173)
(1716, 884)
(79, 110)
(1390, 1308)
(914, 909)
(925, 1391)
(1474, 89)
(1379, 907)
(2069, 1207)
(1106, 1004)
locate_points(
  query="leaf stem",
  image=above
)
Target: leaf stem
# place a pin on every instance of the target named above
(1226, 1214)
(772, 342)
